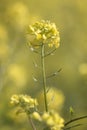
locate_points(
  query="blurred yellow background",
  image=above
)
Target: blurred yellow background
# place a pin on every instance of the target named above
(16, 59)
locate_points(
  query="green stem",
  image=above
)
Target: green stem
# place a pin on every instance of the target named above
(31, 122)
(44, 75)
(76, 119)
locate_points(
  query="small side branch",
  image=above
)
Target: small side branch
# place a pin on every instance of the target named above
(68, 128)
(33, 50)
(75, 119)
(49, 53)
(54, 74)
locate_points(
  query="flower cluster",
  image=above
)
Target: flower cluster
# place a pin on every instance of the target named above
(25, 102)
(52, 120)
(43, 32)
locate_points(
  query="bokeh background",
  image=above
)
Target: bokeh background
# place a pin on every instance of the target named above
(17, 72)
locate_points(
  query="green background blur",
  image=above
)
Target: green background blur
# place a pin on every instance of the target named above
(16, 59)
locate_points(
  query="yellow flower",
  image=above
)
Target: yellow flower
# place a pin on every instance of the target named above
(14, 100)
(25, 102)
(36, 116)
(53, 120)
(44, 32)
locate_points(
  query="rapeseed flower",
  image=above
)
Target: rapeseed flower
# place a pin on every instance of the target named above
(53, 120)
(25, 102)
(43, 32)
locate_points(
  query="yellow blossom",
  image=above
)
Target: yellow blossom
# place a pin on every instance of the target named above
(25, 102)
(44, 32)
(36, 116)
(53, 120)
(14, 100)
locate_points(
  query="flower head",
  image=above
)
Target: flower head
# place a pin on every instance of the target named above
(24, 101)
(43, 32)
(53, 120)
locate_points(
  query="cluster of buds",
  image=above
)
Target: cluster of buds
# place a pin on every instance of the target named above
(25, 102)
(52, 120)
(43, 32)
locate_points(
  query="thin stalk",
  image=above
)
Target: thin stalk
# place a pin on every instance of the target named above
(44, 76)
(49, 53)
(68, 128)
(75, 119)
(31, 122)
